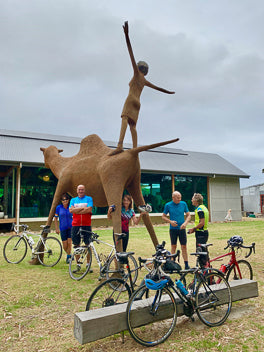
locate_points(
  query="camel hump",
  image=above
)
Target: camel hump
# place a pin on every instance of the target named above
(151, 146)
(92, 144)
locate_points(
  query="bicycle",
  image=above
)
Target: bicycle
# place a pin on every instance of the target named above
(152, 320)
(48, 250)
(81, 259)
(235, 269)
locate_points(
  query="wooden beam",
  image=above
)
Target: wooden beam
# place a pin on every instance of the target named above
(97, 324)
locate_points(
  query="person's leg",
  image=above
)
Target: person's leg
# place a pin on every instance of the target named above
(202, 238)
(125, 241)
(173, 237)
(183, 242)
(76, 239)
(119, 148)
(133, 134)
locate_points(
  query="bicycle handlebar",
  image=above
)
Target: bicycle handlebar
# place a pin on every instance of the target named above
(251, 247)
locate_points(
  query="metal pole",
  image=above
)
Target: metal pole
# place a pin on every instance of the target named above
(18, 192)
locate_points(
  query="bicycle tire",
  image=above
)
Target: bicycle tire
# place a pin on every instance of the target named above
(245, 268)
(151, 321)
(213, 299)
(15, 249)
(51, 253)
(115, 269)
(108, 293)
(78, 270)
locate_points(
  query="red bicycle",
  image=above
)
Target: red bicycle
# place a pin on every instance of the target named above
(235, 269)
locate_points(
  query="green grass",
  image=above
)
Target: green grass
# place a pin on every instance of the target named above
(38, 303)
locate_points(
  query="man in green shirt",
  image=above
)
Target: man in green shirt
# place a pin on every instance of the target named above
(201, 220)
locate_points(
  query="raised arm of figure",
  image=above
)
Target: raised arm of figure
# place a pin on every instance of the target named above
(150, 85)
(129, 47)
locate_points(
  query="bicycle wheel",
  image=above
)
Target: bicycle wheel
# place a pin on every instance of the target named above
(151, 320)
(108, 293)
(213, 299)
(15, 249)
(51, 253)
(80, 267)
(245, 271)
(115, 269)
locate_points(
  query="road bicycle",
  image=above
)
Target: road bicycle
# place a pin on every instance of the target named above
(81, 259)
(48, 250)
(151, 321)
(235, 269)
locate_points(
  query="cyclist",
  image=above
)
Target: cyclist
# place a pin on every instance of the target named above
(176, 209)
(81, 209)
(64, 228)
(127, 213)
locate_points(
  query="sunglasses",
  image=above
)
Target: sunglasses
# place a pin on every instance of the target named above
(64, 199)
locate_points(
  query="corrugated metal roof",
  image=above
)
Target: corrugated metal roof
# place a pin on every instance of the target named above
(24, 147)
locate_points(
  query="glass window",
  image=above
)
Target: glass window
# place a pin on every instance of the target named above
(188, 185)
(38, 186)
(156, 190)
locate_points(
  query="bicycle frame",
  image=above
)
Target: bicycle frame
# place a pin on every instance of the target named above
(99, 262)
(232, 260)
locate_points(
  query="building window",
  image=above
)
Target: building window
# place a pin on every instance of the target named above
(188, 185)
(38, 186)
(156, 190)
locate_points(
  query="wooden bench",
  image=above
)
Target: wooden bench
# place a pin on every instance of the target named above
(96, 324)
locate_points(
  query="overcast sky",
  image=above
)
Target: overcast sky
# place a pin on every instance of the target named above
(65, 70)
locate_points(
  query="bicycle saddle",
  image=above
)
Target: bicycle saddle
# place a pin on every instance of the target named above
(123, 256)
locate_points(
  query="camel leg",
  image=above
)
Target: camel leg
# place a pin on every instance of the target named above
(56, 199)
(135, 191)
(114, 194)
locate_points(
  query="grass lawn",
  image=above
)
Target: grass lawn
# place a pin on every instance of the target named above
(38, 303)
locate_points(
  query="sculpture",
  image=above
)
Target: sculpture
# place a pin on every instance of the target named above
(132, 104)
(105, 177)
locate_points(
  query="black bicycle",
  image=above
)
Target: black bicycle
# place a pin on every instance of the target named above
(151, 320)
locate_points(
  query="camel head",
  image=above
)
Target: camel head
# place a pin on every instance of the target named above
(50, 153)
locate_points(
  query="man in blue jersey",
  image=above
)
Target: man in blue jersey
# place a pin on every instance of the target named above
(176, 210)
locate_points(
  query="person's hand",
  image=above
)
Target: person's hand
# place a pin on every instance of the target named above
(173, 223)
(125, 27)
(57, 232)
(191, 230)
(183, 226)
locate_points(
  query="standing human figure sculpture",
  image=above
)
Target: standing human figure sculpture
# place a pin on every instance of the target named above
(132, 104)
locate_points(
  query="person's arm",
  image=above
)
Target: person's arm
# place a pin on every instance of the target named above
(150, 85)
(129, 47)
(56, 225)
(166, 219)
(137, 220)
(188, 218)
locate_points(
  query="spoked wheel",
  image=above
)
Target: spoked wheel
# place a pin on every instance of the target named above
(109, 293)
(50, 251)
(80, 263)
(15, 249)
(245, 269)
(115, 269)
(151, 320)
(213, 299)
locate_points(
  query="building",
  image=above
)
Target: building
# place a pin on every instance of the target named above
(252, 199)
(27, 187)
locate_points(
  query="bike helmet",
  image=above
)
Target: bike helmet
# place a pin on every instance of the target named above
(156, 285)
(235, 241)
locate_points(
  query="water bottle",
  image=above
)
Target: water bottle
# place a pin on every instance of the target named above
(31, 241)
(223, 268)
(181, 287)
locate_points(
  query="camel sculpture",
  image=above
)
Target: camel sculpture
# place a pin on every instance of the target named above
(105, 177)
